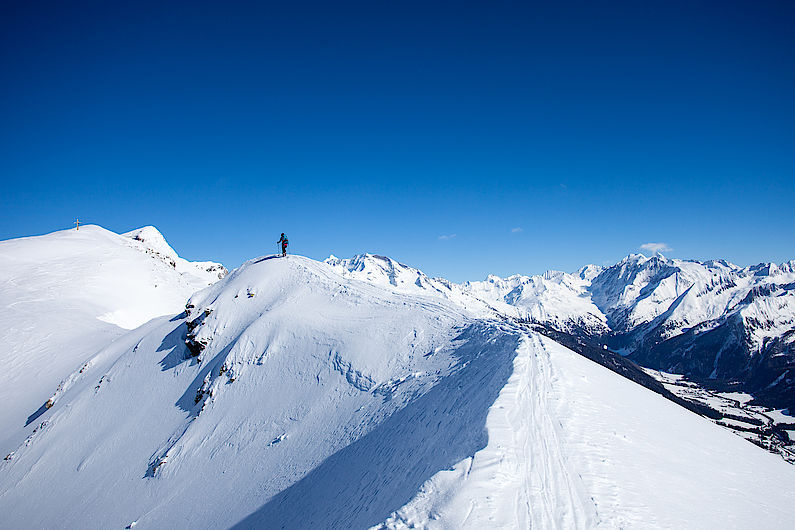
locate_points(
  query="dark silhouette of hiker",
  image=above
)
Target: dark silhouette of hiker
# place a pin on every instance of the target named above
(283, 242)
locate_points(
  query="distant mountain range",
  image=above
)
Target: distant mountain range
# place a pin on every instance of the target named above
(723, 325)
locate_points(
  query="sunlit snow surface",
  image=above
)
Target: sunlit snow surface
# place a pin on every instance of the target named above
(67, 294)
(326, 402)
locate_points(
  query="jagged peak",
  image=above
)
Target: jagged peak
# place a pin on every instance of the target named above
(634, 257)
(589, 272)
(719, 263)
(763, 269)
(553, 275)
(360, 261)
(152, 239)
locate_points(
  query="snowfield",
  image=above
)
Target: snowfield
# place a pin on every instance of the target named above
(292, 394)
(68, 294)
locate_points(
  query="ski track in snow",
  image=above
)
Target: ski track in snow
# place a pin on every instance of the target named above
(550, 481)
(572, 445)
(522, 479)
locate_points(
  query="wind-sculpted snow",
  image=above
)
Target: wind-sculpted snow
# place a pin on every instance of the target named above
(288, 396)
(362, 483)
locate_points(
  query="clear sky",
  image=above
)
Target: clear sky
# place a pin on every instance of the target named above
(460, 138)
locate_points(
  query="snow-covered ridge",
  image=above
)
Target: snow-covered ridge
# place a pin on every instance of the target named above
(674, 295)
(66, 294)
(706, 319)
(290, 363)
(361, 393)
(307, 399)
(151, 241)
(553, 297)
(386, 272)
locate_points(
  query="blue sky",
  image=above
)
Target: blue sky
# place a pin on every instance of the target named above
(460, 138)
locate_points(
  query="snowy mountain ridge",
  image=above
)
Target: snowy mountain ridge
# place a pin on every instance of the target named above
(151, 241)
(358, 393)
(552, 297)
(67, 294)
(632, 293)
(291, 396)
(708, 320)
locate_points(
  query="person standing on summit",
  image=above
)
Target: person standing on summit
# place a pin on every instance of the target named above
(283, 242)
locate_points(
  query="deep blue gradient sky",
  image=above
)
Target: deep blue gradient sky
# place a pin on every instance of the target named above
(463, 139)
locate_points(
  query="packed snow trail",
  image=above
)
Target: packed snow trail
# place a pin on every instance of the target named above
(573, 445)
(523, 478)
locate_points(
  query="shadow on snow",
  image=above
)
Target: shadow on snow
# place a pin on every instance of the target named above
(174, 342)
(33, 417)
(363, 483)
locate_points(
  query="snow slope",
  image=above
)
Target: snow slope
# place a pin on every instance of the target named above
(310, 400)
(573, 445)
(67, 294)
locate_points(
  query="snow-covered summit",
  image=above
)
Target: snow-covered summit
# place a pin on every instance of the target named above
(122, 279)
(66, 294)
(677, 294)
(150, 240)
(287, 365)
(380, 270)
(554, 297)
(589, 272)
(153, 240)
